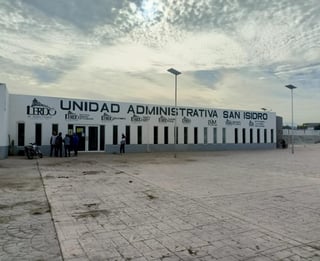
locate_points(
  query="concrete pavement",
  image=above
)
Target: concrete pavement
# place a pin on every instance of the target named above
(26, 229)
(239, 205)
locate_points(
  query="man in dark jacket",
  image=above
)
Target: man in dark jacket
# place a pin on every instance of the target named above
(59, 145)
(75, 143)
(67, 145)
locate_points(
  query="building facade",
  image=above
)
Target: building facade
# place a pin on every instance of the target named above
(148, 127)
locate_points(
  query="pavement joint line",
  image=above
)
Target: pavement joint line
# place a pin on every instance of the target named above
(49, 205)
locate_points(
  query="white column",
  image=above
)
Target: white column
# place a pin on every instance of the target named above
(4, 110)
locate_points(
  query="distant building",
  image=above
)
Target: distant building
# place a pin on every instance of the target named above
(147, 127)
(311, 126)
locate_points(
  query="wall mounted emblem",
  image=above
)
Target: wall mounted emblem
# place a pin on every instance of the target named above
(39, 110)
(186, 120)
(107, 117)
(163, 119)
(212, 122)
(256, 123)
(136, 118)
(75, 116)
(231, 122)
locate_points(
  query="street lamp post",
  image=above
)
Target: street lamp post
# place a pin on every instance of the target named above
(291, 87)
(175, 73)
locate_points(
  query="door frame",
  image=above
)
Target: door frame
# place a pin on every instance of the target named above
(86, 138)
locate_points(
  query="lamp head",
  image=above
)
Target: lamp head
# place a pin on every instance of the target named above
(291, 87)
(174, 71)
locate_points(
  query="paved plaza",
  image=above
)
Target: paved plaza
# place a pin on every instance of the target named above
(224, 205)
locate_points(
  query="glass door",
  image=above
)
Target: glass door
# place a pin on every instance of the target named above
(81, 132)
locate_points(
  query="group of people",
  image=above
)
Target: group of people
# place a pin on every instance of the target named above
(69, 142)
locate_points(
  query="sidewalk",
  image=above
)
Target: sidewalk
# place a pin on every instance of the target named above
(240, 205)
(26, 228)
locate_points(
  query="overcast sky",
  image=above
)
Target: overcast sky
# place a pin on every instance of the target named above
(234, 54)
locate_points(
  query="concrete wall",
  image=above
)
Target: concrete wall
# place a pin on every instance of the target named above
(302, 139)
(302, 132)
(302, 136)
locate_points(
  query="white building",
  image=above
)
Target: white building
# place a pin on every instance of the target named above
(147, 127)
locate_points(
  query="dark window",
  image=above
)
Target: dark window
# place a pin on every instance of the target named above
(115, 134)
(215, 135)
(185, 135)
(272, 136)
(177, 135)
(205, 135)
(243, 135)
(139, 134)
(224, 138)
(265, 135)
(258, 135)
(195, 135)
(127, 134)
(81, 132)
(102, 137)
(20, 134)
(70, 129)
(251, 136)
(38, 134)
(235, 135)
(55, 128)
(155, 134)
(166, 135)
(92, 138)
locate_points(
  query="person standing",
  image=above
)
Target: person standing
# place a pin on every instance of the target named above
(53, 143)
(75, 143)
(67, 143)
(59, 145)
(122, 144)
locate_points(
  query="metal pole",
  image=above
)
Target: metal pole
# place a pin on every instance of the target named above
(292, 141)
(175, 118)
(175, 133)
(291, 87)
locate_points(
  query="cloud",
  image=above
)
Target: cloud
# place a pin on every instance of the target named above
(82, 14)
(207, 77)
(236, 54)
